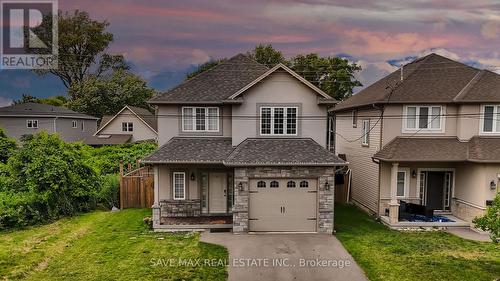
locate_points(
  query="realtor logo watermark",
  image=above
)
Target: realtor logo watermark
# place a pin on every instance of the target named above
(29, 34)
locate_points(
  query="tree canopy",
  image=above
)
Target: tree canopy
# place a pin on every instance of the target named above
(106, 95)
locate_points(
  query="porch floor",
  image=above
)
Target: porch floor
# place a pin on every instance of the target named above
(456, 222)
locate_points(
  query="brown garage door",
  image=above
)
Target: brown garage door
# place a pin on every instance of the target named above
(283, 205)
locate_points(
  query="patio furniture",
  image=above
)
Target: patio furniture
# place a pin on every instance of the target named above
(407, 210)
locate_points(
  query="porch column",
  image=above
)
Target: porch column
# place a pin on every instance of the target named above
(156, 203)
(393, 204)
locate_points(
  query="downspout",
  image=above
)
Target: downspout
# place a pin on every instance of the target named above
(380, 148)
(55, 125)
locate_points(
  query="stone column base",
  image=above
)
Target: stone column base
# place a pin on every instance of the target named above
(393, 212)
(156, 216)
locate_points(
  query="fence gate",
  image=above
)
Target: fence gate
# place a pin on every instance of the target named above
(136, 187)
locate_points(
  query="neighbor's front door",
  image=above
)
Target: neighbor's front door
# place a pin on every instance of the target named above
(217, 189)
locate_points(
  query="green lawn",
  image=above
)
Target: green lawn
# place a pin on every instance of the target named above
(104, 246)
(386, 254)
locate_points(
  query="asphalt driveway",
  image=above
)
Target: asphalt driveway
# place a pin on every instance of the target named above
(286, 257)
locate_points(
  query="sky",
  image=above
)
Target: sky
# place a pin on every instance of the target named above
(163, 40)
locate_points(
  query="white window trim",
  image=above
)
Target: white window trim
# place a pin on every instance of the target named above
(284, 121)
(128, 127)
(365, 141)
(429, 118)
(183, 185)
(74, 124)
(83, 126)
(32, 122)
(481, 123)
(452, 170)
(193, 116)
(406, 184)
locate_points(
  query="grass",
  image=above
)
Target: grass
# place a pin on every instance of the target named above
(386, 254)
(104, 246)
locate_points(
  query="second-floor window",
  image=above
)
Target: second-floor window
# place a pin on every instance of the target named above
(423, 118)
(278, 120)
(127, 127)
(200, 119)
(33, 124)
(491, 119)
(365, 138)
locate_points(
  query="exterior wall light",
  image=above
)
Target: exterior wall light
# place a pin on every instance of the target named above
(493, 184)
(240, 186)
(193, 177)
(327, 185)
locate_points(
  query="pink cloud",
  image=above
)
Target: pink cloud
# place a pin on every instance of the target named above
(276, 38)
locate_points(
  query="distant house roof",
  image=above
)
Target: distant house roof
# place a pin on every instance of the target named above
(31, 109)
(112, 139)
(216, 84)
(430, 79)
(444, 149)
(281, 152)
(142, 114)
(209, 150)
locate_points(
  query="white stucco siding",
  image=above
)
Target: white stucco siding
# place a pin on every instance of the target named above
(280, 89)
(140, 132)
(365, 173)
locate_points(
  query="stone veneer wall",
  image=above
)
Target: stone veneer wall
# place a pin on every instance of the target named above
(180, 208)
(325, 197)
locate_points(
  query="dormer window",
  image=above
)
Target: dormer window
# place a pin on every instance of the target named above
(423, 118)
(278, 121)
(200, 119)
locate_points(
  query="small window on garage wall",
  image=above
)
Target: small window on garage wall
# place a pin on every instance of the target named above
(261, 184)
(290, 184)
(274, 184)
(304, 184)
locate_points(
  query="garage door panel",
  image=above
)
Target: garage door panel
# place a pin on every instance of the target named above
(288, 207)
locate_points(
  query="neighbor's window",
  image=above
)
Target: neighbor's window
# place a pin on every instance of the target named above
(423, 117)
(179, 183)
(74, 124)
(491, 119)
(354, 118)
(365, 138)
(127, 126)
(32, 124)
(278, 120)
(200, 119)
(83, 126)
(401, 184)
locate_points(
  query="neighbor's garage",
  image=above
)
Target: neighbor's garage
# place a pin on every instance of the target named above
(283, 205)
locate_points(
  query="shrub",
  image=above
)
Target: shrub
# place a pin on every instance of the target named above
(491, 220)
(48, 178)
(107, 194)
(7, 146)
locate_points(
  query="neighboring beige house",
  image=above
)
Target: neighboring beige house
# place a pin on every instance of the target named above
(428, 134)
(23, 119)
(242, 146)
(130, 124)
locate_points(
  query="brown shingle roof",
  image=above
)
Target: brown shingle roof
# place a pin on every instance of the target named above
(39, 109)
(208, 150)
(295, 152)
(445, 149)
(431, 79)
(146, 115)
(215, 84)
(108, 139)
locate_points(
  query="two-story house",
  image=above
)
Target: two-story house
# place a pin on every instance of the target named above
(30, 118)
(243, 146)
(427, 134)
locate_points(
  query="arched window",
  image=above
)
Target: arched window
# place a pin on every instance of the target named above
(304, 184)
(290, 184)
(261, 184)
(274, 184)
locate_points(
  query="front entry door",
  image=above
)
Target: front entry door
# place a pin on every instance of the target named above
(217, 193)
(435, 190)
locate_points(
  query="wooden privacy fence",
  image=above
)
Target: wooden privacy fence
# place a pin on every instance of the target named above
(342, 189)
(136, 187)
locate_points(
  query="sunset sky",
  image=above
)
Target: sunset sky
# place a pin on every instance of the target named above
(163, 39)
